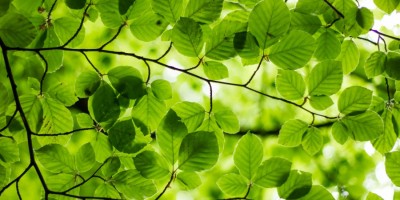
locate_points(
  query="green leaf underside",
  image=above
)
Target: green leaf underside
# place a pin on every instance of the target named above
(386, 141)
(392, 166)
(149, 110)
(9, 151)
(111, 167)
(85, 158)
(190, 113)
(354, 99)
(340, 132)
(233, 184)
(55, 158)
(228, 121)
(375, 64)
(297, 185)
(312, 141)
(171, 10)
(109, 13)
(122, 136)
(87, 83)
(16, 30)
(328, 46)
(56, 117)
(273, 172)
(349, 56)
(388, 6)
(275, 23)
(321, 102)
(162, 89)
(215, 70)
(291, 133)
(133, 185)
(248, 155)
(365, 126)
(198, 151)
(106, 190)
(290, 84)
(293, 51)
(151, 165)
(188, 180)
(33, 111)
(325, 78)
(204, 11)
(187, 37)
(305, 22)
(148, 26)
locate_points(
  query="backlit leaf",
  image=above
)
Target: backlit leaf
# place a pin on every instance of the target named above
(305, 22)
(161, 89)
(109, 13)
(297, 185)
(75, 4)
(290, 84)
(325, 78)
(354, 99)
(273, 172)
(291, 133)
(227, 120)
(320, 102)
(375, 64)
(9, 151)
(312, 141)
(387, 5)
(151, 165)
(349, 56)
(127, 81)
(55, 158)
(340, 132)
(85, 158)
(248, 155)
(215, 70)
(16, 30)
(392, 164)
(190, 113)
(392, 63)
(328, 46)
(123, 137)
(149, 110)
(233, 184)
(386, 141)
(365, 126)
(87, 83)
(133, 185)
(204, 11)
(171, 10)
(318, 192)
(187, 37)
(33, 110)
(246, 45)
(106, 190)
(56, 117)
(188, 180)
(148, 26)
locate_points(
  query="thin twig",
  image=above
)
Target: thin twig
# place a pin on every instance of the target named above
(60, 134)
(211, 96)
(9, 121)
(255, 72)
(388, 89)
(335, 9)
(366, 39)
(113, 38)
(148, 71)
(91, 64)
(51, 10)
(166, 52)
(386, 35)
(79, 28)
(17, 188)
(46, 68)
(167, 186)
(194, 67)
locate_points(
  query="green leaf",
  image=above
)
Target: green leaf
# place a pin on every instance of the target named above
(85, 158)
(149, 110)
(228, 121)
(375, 64)
(215, 70)
(325, 78)
(275, 22)
(386, 141)
(106, 190)
(318, 192)
(61, 181)
(3, 98)
(169, 134)
(348, 25)
(133, 185)
(210, 125)
(102, 147)
(320, 102)
(187, 37)
(304, 22)
(233, 184)
(3, 175)
(162, 89)
(55, 158)
(198, 151)
(392, 64)
(188, 180)
(62, 92)
(293, 51)
(312, 141)
(65, 28)
(290, 84)
(273, 172)
(109, 13)
(349, 56)
(204, 11)
(171, 10)
(148, 27)
(248, 155)
(87, 83)
(123, 137)
(103, 106)
(340, 132)
(297, 185)
(111, 167)
(151, 165)
(56, 117)
(190, 113)
(33, 111)
(291, 133)
(387, 5)
(328, 46)
(365, 19)
(246, 45)
(311, 6)
(354, 99)
(124, 5)
(365, 126)
(75, 4)
(16, 30)
(127, 81)
(54, 58)
(9, 151)
(4, 6)
(392, 166)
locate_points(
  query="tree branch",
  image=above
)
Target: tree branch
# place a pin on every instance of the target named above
(60, 134)
(335, 9)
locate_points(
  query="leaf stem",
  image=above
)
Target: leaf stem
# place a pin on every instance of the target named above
(9, 121)
(46, 68)
(114, 37)
(166, 52)
(167, 186)
(334, 8)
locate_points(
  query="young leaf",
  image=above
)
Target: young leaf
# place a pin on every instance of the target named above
(392, 63)
(313, 141)
(318, 192)
(122, 136)
(55, 158)
(127, 81)
(104, 106)
(9, 151)
(304, 22)
(161, 89)
(133, 185)
(273, 172)
(293, 51)
(387, 5)
(354, 99)
(328, 46)
(297, 185)
(365, 126)
(204, 11)
(106, 190)
(151, 165)
(75, 4)
(386, 141)
(109, 13)
(215, 70)
(187, 37)
(392, 166)
(275, 23)
(171, 10)
(56, 117)
(349, 55)
(111, 167)
(246, 45)
(326, 78)
(291, 133)
(340, 132)
(16, 30)
(248, 155)
(190, 113)
(290, 84)
(149, 110)
(188, 180)
(169, 135)
(198, 151)
(227, 120)
(85, 158)
(102, 147)
(148, 26)
(320, 102)
(86, 84)
(233, 184)
(375, 64)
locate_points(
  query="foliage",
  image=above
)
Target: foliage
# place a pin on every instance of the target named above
(88, 108)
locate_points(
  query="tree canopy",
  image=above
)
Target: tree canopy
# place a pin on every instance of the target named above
(199, 99)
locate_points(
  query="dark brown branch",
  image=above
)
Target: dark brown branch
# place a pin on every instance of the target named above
(388, 89)
(194, 67)
(166, 52)
(79, 28)
(113, 38)
(335, 9)
(148, 71)
(60, 134)
(16, 179)
(255, 72)
(167, 186)
(211, 96)
(91, 64)
(46, 68)
(366, 39)
(51, 10)
(386, 35)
